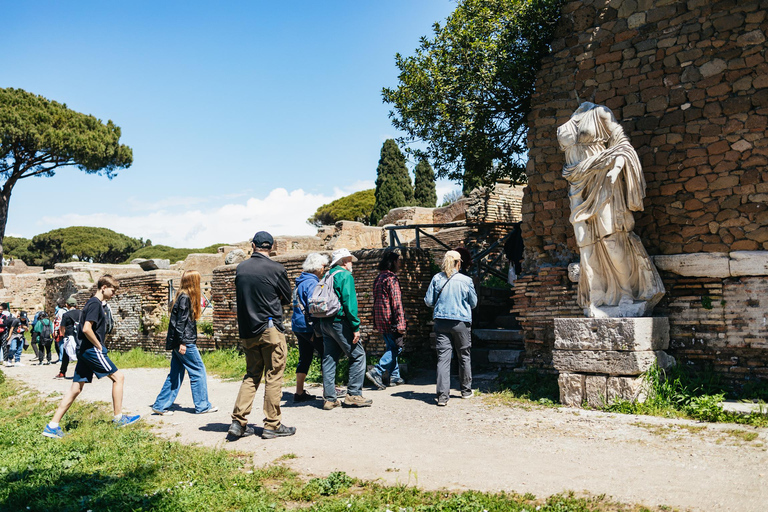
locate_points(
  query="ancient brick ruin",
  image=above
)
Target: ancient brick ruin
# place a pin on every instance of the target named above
(689, 83)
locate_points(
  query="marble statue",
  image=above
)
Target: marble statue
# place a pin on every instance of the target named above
(617, 278)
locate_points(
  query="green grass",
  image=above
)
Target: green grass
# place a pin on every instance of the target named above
(138, 358)
(98, 467)
(679, 393)
(526, 387)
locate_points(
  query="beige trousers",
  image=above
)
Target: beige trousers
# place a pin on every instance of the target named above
(265, 354)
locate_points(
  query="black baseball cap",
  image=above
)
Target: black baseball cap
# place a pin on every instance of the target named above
(263, 240)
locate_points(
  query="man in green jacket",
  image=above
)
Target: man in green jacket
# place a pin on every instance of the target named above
(341, 334)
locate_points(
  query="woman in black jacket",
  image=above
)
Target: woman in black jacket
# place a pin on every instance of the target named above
(181, 338)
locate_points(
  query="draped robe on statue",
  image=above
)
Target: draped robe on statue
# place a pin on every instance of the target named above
(617, 276)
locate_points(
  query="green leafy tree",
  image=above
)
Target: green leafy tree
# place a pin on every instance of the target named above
(465, 94)
(98, 245)
(166, 252)
(17, 247)
(393, 183)
(357, 207)
(424, 190)
(38, 136)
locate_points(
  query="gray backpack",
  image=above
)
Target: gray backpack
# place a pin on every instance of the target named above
(324, 303)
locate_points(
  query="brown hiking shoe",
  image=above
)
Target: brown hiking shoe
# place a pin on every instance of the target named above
(357, 401)
(328, 405)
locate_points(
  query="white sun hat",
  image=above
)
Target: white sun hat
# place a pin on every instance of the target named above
(340, 254)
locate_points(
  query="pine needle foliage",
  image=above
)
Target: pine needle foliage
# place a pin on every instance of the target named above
(393, 183)
(424, 189)
(356, 207)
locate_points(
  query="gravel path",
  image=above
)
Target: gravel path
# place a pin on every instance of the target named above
(405, 438)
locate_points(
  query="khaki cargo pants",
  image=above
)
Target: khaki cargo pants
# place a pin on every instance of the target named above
(265, 354)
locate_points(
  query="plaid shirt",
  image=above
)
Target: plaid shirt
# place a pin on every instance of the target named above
(388, 313)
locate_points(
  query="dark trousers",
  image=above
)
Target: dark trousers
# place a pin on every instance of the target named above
(308, 345)
(456, 335)
(64, 362)
(44, 348)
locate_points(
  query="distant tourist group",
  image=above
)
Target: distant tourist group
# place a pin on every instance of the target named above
(325, 320)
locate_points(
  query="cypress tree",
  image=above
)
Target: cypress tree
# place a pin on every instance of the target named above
(393, 184)
(424, 193)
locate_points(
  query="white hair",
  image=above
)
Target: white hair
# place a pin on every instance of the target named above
(314, 262)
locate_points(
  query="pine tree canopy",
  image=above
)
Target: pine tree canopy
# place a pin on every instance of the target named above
(355, 207)
(424, 191)
(393, 183)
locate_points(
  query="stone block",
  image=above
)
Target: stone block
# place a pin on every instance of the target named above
(235, 256)
(749, 263)
(155, 264)
(571, 389)
(595, 389)
(700, 264)
(632, 389)
(610, 362)
(620, 334)
(506, 357)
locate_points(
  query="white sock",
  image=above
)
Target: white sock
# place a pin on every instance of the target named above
(118, 416)
(53, 424)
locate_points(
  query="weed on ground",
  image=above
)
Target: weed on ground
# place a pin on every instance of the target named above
(99, 467)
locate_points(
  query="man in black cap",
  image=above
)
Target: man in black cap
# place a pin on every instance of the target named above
(262, 288)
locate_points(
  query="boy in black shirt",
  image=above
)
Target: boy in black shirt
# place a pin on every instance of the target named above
(92, 359)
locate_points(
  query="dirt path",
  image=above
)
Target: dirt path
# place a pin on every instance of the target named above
(405, 438)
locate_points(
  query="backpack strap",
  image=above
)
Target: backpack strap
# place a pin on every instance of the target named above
(443, 287)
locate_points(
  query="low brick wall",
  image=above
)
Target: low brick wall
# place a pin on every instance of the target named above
(414, 277)
(714, 323)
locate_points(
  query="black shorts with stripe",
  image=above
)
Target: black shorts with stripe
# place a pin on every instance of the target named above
(91, 362)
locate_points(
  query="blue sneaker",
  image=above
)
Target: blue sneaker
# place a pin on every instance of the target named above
(55, 433)
(126, 420)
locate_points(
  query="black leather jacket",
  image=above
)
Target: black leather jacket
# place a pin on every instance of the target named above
(182, 328)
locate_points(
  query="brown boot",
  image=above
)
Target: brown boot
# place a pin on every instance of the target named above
(357, 401)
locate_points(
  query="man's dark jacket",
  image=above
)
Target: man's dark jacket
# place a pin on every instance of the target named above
(262, 288)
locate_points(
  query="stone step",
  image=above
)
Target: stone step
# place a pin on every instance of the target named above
(496, 335)
(497, 357)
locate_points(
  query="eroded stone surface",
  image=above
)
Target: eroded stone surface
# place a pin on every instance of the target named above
(716, 264)
(610, 362)
(571, 389)
(595, 390)
(749, 263)
(612, 333)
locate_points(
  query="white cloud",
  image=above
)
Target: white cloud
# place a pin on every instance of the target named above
(281, 213)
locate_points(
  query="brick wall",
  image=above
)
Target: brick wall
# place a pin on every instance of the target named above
(414, 277)
(688, 82)
(714, 323)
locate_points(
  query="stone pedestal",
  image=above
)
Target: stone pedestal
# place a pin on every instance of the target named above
(602, 359)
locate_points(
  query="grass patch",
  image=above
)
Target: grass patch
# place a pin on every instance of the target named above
(98, 467)
(678, 393)
(524, 388)
(138, 358)
(742, 434)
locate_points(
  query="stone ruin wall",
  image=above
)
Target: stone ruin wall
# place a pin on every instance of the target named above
(688, 81)
(415, 276)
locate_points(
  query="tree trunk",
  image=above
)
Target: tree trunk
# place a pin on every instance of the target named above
(5, 197)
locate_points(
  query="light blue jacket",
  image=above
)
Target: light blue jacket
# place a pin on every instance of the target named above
(456, 301)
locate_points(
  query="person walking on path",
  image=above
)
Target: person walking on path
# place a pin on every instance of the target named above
(453, 296)
(389, 320)
(306, 329)
(262, 288)
(70, 323)
(182, 339)
(341, 334)
(92, 359)
(42, 334)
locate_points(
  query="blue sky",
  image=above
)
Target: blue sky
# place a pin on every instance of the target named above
(242, 115)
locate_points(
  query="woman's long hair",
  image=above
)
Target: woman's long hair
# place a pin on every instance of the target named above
(190, 284)
(451, 263)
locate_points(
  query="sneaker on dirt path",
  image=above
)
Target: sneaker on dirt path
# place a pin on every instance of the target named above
(19, 363)
(341, 392)
(281, 431)
(211, 409)
(328, 405)
(375, 378)
(126, 420)
(54, 433)
(442, 402)
(466, 395)
(303, 397)
(237, 430)
(166, 412)
(59, 376)
(357, 401)
(396, 382)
